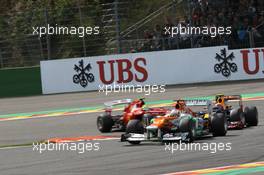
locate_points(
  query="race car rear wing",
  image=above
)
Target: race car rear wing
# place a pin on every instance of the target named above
(232, 97)
(117, 102)
(198, 102)
(228, 98)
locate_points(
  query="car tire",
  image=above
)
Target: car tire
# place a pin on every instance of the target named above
(251, 115)
(238, 115)
(187, 125)
(235, 115)
(219, 124)
(104, 123)
(135, 126)
(123, 128)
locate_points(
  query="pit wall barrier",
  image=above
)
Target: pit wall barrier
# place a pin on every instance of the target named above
(199, 65)
(20, 82)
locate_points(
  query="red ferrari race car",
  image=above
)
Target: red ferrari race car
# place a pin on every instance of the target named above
(108, 121)
(238, 117)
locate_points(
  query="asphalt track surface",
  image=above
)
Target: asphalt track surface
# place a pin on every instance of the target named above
(115, 157)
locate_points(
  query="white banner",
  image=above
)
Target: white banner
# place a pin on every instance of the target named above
(161, 68)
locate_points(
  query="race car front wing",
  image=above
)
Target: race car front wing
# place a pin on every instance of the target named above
(183, 136)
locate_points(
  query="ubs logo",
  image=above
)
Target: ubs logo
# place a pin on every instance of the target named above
(225, 65)
(83, 75)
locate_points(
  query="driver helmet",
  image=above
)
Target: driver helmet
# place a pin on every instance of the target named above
(218, 106)
(140, 103)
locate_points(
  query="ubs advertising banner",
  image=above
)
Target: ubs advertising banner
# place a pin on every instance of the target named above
(197, 65)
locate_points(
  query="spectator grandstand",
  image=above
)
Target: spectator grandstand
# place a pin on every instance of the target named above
(245, 18)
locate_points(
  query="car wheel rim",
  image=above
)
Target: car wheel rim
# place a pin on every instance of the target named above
(99, 124)
(226, 126)
(193, 132)
(243, 120)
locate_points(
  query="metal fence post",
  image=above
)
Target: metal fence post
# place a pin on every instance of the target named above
(190, 6)
(117, 26)
(251, 40)
(81, 24)
(47, 35)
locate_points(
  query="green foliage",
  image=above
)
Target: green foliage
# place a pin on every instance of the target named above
(18, 17)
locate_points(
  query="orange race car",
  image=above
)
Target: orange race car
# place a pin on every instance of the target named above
(238, 117)
(181, 123)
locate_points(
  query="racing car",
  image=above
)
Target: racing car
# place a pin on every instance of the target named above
(238, 117)
(182, 123)
(108, 121)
